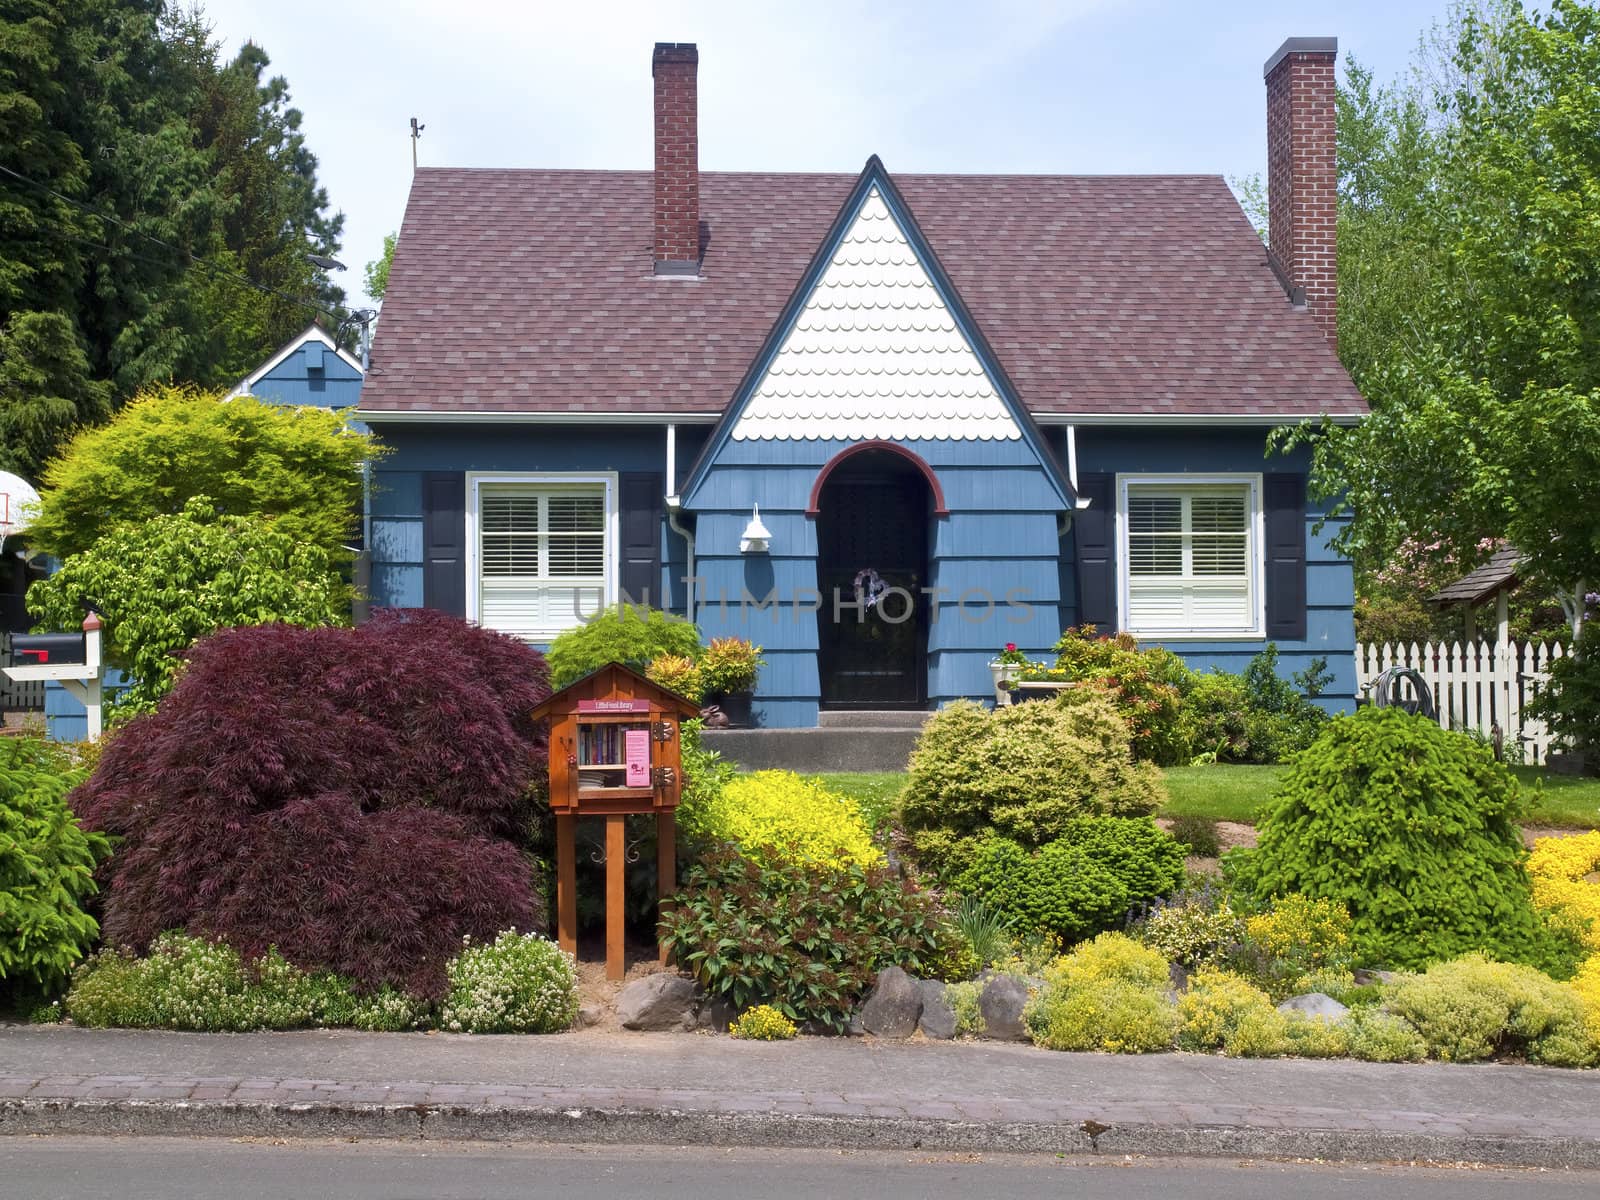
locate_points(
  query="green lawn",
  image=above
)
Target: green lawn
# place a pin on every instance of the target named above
(1235, 793)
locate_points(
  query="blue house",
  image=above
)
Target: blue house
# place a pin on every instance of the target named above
(309, 369)
(881, 424)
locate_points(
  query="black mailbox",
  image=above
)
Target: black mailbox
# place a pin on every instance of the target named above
(47, 649)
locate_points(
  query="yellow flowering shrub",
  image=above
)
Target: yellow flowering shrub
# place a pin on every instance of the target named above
(1557, 866)
(1472, 1008)
(763, 1023)
(784, 814)
(1111, 956)
(1108, 994)
(1587, 984)
(1222, 1010)
(1296, 936)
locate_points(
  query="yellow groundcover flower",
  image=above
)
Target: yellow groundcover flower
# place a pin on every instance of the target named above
(1558, 866)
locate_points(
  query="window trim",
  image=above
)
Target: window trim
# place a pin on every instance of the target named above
(474, 556)
(1255, 552)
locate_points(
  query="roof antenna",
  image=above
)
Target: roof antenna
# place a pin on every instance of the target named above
(416, 132)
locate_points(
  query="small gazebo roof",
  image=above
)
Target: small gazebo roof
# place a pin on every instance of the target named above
(1499, 574)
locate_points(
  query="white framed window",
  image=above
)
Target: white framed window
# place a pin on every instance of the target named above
(1189, 555)
(541, 551)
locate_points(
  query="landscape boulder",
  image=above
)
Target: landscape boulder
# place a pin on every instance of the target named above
(892, 1007)
(938, 1019)
(1001, 1003)
(1314, 1004)
(655, 1002)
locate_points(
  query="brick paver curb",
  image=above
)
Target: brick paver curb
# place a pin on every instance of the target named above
(262, 1107)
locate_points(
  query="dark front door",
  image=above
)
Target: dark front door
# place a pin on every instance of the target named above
(872, 554)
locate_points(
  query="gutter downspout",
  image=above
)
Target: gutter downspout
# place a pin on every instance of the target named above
(1065, 523)
(674, 507)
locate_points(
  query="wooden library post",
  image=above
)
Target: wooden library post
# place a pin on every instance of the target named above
(615, 751)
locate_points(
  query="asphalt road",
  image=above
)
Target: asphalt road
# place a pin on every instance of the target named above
(174, 1169)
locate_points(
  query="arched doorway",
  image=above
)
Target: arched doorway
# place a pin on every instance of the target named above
(873, 509)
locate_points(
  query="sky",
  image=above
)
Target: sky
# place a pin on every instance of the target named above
(1073, 86)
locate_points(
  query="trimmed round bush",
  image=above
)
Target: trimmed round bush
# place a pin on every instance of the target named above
(1084, 882)
(780, 813)
(362, 799)
(1413, 830)
(47, 865)
(630, 634)
(1023, 772)
(519, 983)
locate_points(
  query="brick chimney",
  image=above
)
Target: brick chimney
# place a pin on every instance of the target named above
(1302, 172)
(677, 199)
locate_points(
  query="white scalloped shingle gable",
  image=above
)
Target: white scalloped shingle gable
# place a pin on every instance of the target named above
(875, 353)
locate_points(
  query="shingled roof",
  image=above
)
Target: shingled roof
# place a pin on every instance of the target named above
(522, 291)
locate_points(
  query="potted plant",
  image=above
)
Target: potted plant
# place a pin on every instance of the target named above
(1007, 669)
(677, 673)
(728, 669)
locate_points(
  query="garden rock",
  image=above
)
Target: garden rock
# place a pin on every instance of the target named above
(715, 1013)
(589, 1015)
(1363, 977)
(938, 1019)
(655, 1002)
(1314, 1004)
(1177, 980)
(893, 1006)
(1001, 1003)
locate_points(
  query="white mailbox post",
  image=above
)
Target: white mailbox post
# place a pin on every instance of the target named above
(83, 678)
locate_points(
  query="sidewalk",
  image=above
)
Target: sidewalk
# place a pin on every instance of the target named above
(697, 1089)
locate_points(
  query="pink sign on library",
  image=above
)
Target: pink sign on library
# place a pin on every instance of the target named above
(637, 746)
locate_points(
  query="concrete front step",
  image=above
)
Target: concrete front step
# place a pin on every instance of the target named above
(868, 718)
(815, 751)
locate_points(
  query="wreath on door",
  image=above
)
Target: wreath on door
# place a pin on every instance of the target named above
(869, 588)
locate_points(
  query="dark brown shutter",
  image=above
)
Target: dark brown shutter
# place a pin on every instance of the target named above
(444, 541)
(1285, 527)
(1094, 535)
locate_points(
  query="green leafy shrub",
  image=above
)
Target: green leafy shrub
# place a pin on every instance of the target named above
(519, 983)
(807, 938)
(1109, 994)
(626, 633)
(1570, 705)
(779, 813)
(47, 865)
(729, 664)
(1412, 829)
(1198, 833)
(1148, 686)
(1341, 986)
(1023, 772)
(763, 1023)
(1084, 882)
(677, 673)
(705, 774)
(954, 960)
(1223, 1010)
(1195, 927)
(1378, 1036)
(1473, 1008)
(165, 582)
(1257, 717)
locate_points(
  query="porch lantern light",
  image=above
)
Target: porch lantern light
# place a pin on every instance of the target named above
(756, 536)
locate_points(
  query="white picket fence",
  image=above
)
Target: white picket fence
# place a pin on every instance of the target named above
(1479, 685)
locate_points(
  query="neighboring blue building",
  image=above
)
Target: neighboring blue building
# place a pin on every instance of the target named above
(310, 369)
(882, 425)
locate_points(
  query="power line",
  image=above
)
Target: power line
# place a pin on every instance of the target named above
(210, 268)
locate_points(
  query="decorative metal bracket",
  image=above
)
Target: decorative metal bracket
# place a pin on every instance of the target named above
(663, 731)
